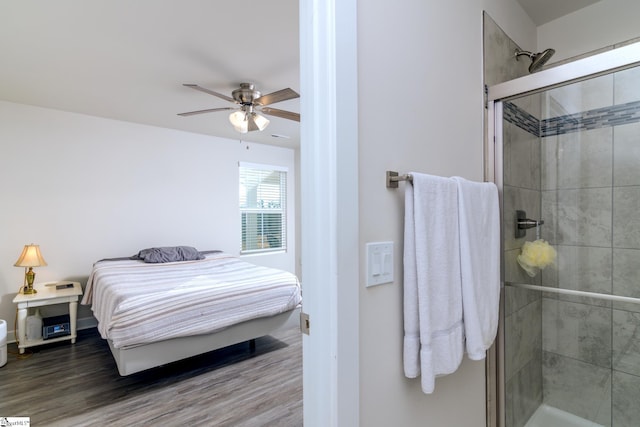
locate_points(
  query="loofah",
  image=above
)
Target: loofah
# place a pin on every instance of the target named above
(536, 255)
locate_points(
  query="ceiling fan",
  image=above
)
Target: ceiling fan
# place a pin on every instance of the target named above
(246, 117)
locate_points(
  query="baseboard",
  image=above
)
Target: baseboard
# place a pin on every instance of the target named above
(87, 323)
(84, 323)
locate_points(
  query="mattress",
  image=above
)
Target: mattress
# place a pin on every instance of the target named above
(137, 303)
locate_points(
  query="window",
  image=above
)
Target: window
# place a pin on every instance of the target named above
(263, 201)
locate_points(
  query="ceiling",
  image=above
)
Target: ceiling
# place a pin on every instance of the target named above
(127, 60)
(543, 11)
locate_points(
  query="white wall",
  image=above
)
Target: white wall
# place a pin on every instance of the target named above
(420, 109)
(86, 188)
(600, 25)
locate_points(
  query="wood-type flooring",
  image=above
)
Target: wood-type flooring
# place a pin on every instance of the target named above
(65, 384)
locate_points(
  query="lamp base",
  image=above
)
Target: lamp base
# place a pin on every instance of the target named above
(29, 278)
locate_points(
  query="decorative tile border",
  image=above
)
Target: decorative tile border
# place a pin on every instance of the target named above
(517, 116)
(593, 119)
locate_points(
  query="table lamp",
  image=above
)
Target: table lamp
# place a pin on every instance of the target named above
(30, 257)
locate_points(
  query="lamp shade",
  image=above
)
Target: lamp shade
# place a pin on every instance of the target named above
(260, 121)
(239, 121)
(30, 257)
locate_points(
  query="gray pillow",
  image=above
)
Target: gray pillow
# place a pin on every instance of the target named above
(169, 254)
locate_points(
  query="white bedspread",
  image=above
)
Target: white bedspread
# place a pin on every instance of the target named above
(137, 303)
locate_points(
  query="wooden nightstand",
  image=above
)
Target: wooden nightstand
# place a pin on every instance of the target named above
(47, 295)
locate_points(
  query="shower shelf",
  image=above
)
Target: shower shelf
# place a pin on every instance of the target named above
(576, 293)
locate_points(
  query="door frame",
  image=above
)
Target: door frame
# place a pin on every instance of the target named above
(329, 211)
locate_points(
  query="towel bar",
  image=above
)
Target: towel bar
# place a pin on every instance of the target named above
(393, 178)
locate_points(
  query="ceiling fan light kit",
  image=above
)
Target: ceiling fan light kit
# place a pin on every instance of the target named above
(244, 121)
(247, 118)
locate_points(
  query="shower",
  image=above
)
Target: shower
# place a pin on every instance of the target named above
(565, 151)
(537, 59)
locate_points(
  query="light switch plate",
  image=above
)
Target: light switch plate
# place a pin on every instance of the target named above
(379, 263)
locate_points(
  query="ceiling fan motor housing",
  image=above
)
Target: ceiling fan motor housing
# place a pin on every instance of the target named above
(246, 94)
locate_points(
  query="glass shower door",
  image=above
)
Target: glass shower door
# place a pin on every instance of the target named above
(570, 160)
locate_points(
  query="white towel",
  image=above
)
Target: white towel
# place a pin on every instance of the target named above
(479, 212)
(434, 337)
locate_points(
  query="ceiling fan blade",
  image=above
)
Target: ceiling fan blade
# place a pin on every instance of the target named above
(210, 92)
(210, 110)
(278, 96)
(281, 113)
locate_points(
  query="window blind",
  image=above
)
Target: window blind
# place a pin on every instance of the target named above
(263, 191)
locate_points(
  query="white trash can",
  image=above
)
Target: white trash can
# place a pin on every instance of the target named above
(3, 342)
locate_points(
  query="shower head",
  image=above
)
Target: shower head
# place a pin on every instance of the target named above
(537, 59)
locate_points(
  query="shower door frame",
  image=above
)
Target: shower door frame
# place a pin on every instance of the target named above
(596, 65)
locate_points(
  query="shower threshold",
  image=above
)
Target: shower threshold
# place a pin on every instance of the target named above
(548, 416)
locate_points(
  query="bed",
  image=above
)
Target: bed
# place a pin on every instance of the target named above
(153, 313)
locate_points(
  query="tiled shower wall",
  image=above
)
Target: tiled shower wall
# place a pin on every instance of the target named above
(582, 169)
(523, 309)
